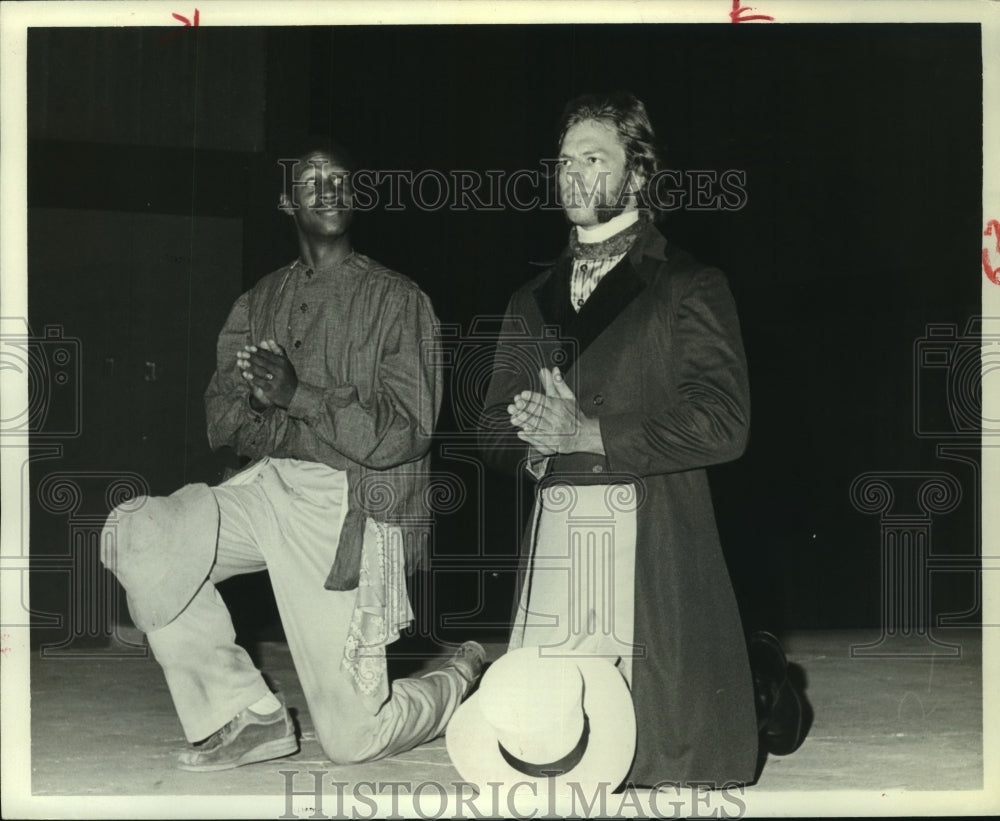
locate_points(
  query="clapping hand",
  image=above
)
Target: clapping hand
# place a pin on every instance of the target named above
(270, 373)
(551, 422)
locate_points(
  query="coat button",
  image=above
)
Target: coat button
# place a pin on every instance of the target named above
(598, 399)
(597, 469)
(298, 343)
(303, 307)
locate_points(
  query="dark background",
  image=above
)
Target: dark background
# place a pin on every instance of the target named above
(152, 197)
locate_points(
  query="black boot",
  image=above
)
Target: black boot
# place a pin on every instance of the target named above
(780, 708)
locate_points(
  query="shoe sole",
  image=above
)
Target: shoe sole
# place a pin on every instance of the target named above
(264, 752)
(789, 739)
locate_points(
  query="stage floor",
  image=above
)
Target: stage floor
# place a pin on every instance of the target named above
(883, 725)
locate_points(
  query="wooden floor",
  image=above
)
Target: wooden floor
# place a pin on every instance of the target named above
(890, 734)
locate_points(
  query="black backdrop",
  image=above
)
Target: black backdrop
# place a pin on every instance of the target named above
(861, 146)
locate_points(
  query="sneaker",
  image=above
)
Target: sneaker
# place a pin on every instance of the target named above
(468, 661)
(248, 738)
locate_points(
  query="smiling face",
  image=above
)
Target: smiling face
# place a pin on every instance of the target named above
(320, 198)
(593, 173)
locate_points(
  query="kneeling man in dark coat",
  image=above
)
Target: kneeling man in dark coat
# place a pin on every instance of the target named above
(639, 385)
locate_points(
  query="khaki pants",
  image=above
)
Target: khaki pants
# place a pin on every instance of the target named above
(284, 516)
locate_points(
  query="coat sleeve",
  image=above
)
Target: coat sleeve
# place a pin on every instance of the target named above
(230, 418)
(391, 425)
(497, 437)
(706, 420)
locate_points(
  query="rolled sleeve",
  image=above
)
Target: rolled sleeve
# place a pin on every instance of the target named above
(231, 419)
(307, 402)
(382, 414)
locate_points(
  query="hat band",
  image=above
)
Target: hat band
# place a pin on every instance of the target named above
(555, 768)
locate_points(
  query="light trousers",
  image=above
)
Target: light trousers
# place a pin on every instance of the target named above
(578, 593)
(284, 516)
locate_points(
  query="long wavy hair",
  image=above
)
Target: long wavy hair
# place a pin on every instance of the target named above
(627, 114)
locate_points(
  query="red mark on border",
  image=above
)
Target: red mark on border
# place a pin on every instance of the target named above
(992, 227)
(184, 20)
(188, 23)
(739, 14)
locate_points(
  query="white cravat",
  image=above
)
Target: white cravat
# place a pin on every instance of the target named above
(588, 273)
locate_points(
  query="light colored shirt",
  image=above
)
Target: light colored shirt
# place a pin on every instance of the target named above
(353, 334)
(588, 273)
(366, 400)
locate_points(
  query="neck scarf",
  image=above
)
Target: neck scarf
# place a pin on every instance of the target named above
(613, 246)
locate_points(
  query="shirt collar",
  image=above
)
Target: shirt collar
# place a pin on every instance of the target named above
(605, 230)
(352, 260)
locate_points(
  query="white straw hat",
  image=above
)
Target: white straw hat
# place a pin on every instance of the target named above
(548, 720)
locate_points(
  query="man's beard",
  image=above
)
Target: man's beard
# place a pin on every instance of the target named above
(606, 212)
(606, 208)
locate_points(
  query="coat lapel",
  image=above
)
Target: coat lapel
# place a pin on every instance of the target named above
(552, 298)
(615, 292)
(552, 295)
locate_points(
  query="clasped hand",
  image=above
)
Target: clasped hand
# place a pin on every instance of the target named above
(551, 422)
(270, 373)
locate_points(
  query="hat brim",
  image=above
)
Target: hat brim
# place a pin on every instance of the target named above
(161, 549)
(473, 745)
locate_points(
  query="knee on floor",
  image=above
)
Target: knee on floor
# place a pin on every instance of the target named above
(345, 751)
(348, 737)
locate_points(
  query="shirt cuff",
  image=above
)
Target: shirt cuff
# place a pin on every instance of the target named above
(258, 415)
(307, 401)
(537, 464)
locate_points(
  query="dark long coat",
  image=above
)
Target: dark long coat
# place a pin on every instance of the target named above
(655, 353)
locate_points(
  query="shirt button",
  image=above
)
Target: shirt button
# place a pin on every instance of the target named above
(298, 343)
(579, 303)
(597, 469)
(598, 399)
(583, 268)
